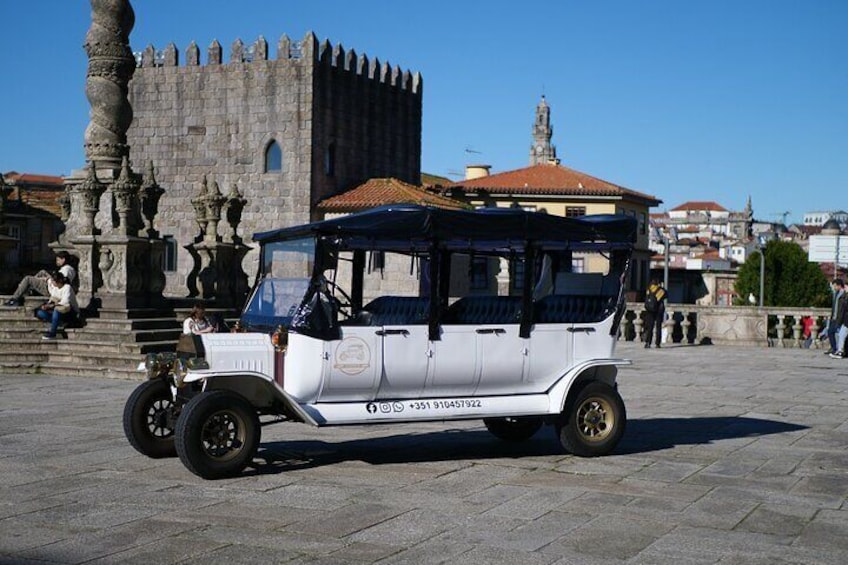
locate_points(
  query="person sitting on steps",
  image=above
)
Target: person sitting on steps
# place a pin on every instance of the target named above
(197, 323)
(40, 282)
(62, 307)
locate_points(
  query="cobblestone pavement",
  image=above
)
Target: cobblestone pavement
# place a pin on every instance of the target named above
(730, 456)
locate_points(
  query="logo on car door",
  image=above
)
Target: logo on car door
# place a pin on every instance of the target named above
(352, 356)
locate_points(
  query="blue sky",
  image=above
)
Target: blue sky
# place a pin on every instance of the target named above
(682, 99)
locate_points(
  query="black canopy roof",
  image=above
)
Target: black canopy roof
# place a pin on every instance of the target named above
(408, 222)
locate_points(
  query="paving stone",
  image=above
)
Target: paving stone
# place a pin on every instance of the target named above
(407, 529)
(777, 520)
(344, 521)
(612, 536)
(704, 475)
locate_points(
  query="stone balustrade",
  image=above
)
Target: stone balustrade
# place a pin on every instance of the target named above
(729, 325)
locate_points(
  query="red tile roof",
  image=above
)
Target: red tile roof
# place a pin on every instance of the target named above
(37, 192)
(380, 191)
(695, 205)
(28, 178)
(550, 179)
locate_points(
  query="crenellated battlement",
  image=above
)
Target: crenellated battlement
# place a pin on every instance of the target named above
(323, 54)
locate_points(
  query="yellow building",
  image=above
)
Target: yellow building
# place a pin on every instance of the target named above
(555, 189)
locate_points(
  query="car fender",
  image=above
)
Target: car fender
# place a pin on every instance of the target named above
(602, 370)
(257, 388)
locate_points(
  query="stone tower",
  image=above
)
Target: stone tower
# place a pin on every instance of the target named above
(542, 151)
(289, 129)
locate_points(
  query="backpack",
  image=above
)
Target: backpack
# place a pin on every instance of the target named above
(651, 301)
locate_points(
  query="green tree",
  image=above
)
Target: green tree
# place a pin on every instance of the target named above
(791, 279)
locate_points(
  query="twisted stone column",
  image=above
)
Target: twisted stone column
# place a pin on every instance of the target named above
(110, 66)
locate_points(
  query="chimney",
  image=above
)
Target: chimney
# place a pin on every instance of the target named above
(476, 171)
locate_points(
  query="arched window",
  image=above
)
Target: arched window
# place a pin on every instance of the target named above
(330, 160)
(273, 158)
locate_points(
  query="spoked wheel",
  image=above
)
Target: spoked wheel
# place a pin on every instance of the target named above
(149, 419)
(593, 423)
(513, 428)
(217, 434)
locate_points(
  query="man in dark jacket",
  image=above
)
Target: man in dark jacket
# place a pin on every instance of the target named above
(837, 313)
(655, 298)
(839, 321)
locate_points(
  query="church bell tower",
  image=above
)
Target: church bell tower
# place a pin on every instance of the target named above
(542, 151)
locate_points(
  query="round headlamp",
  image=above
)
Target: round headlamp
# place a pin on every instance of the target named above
(151, 365)
(180, 371)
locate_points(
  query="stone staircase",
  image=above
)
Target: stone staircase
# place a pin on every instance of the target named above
(110, 345)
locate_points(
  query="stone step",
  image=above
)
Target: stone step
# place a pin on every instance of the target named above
(34, 330)
(139, 336)
(130, 325)
(25, 368)
(128, 372)
(83, 345)
(29, 356)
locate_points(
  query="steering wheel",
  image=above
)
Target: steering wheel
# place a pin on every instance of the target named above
(333, 288)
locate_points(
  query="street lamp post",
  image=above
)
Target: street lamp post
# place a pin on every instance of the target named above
(762, 247)
(762, 275)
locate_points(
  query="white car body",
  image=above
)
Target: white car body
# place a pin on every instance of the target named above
(367, 378)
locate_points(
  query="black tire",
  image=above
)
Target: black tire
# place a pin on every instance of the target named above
(513, 428)
(217, 434)
(148, 419)
(593, 421)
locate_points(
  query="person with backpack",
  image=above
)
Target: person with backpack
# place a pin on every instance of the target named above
(655, 298)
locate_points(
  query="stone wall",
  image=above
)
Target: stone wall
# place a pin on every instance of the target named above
(218, 118)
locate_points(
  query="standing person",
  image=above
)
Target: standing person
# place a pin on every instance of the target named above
(197, 323)
(655, 298)
(834, 323)
(841, 323)
(39, 283)
(62, 306)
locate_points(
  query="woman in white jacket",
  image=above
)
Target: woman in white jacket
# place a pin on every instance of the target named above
(61, 307)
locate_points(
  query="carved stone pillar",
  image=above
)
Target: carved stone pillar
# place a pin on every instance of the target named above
(150, 194)
(125, 191)
(110, 66)
(218, 275)
(128, 277)
(210, 279)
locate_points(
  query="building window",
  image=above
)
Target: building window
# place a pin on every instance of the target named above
(578, 265)
(643, 223)
(273, 158)
(480, 273)
(575, 211)
(330, 160)
(169, 257)
(378, 261)
(517, 274)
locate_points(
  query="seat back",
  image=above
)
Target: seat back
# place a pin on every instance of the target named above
(568, 308)
(485, 310)
(397, 310)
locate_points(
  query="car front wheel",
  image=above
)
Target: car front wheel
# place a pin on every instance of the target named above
(593, 422)
(149, 419)
(217, 434)
(513, 428)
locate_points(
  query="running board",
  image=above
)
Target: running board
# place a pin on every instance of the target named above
(423, 409)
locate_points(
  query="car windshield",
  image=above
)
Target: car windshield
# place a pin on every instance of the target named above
(284, 280)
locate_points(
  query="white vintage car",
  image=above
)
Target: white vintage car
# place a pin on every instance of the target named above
(405, 314)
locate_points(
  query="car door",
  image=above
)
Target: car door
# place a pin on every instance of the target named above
(353, 365)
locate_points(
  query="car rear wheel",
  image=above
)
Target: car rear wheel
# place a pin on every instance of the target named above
(218, 434)
(149, 419)
(593, 422)
(513, 428)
